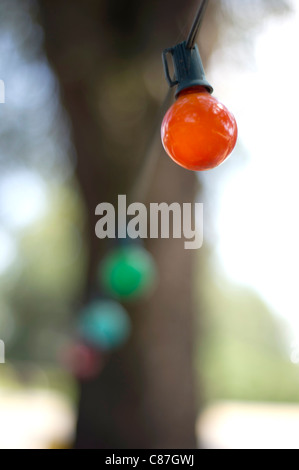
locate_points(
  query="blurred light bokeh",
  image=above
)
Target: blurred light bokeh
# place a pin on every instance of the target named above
(41, 248)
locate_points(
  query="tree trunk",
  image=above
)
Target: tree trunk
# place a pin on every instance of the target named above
(106, 55)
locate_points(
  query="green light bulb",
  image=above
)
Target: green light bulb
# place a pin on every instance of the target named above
(128, 272)
(104, 324)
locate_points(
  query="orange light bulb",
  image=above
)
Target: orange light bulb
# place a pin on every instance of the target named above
(197, 131)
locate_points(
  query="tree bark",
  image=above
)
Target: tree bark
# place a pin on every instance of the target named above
(106, 55)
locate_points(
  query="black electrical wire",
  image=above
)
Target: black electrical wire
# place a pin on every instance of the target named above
(190, 42)
(149, 161)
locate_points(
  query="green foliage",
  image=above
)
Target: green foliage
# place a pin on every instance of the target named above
(242, 353)
(47, 280)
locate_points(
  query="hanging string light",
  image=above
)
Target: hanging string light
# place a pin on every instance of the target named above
(82, 360)
(104, 324)
(128, 272)
(198, 132)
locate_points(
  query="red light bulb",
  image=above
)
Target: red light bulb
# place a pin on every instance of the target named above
(83, 361)
(197, 131)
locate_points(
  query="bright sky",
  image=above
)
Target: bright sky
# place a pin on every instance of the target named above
(22, 201)
(257, 227)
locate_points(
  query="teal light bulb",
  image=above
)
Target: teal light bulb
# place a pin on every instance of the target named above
(105, 324)
(128, 272)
